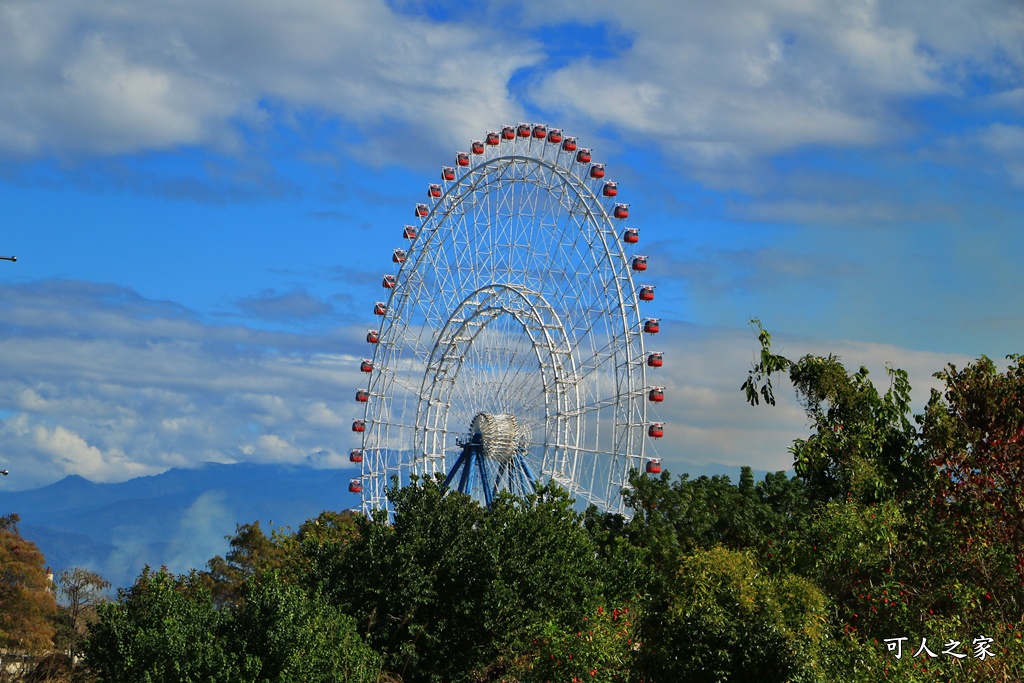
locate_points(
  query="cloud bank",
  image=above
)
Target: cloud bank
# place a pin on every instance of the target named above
(102, 383)
(719, 82)
(111, 78)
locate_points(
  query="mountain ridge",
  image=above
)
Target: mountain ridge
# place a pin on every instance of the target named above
(178, 518)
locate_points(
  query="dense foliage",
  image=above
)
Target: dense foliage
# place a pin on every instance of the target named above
(167, 628)
(896, 552)
(27, 605)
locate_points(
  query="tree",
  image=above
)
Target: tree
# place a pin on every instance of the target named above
(283, 635)
(909, 529)
(600, 650)
(728, 620)
(27, 603)
(416, 586)
(675, 518)
(863, 444)
(251, 551)
(330, 527)
(453, 591)
(974, 436)
(81, 592)
(545, 568)
(164, 629)
(323, 539)
(758, 384)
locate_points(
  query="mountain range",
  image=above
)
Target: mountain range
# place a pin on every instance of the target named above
(179, 518)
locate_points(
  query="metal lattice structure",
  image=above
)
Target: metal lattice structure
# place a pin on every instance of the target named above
(510, 349)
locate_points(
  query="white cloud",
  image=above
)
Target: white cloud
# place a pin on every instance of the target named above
(101, 391)
(321, 415)
(707, 419)
(68, 452)
(109, 77)
(729, 82)
(273, 448)
(1006, 144)
(718, 81)
(110, 104)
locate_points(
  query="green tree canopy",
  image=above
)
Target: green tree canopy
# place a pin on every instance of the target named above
(251, 551)
(283, 635)
(164, 629)
(863, 443)
(728, 620)
(452, 591)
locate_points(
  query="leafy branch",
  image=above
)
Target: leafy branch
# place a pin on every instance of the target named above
(759, 378)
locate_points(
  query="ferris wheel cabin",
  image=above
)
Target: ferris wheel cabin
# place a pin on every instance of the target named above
(639, 263)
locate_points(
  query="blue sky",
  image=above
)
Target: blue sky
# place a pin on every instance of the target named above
(202, 197)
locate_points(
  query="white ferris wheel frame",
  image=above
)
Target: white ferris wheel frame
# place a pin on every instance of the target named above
(518, 264)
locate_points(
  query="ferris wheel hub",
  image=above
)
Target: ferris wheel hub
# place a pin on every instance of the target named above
(499, 435)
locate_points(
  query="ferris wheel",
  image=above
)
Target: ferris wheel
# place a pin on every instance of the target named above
(510, 345)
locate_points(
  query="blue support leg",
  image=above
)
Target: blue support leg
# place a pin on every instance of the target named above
(485, 480)
(455, 468)
(468, 482)
(528, 473)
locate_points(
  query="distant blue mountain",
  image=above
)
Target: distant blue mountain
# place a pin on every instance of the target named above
(180, 518)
